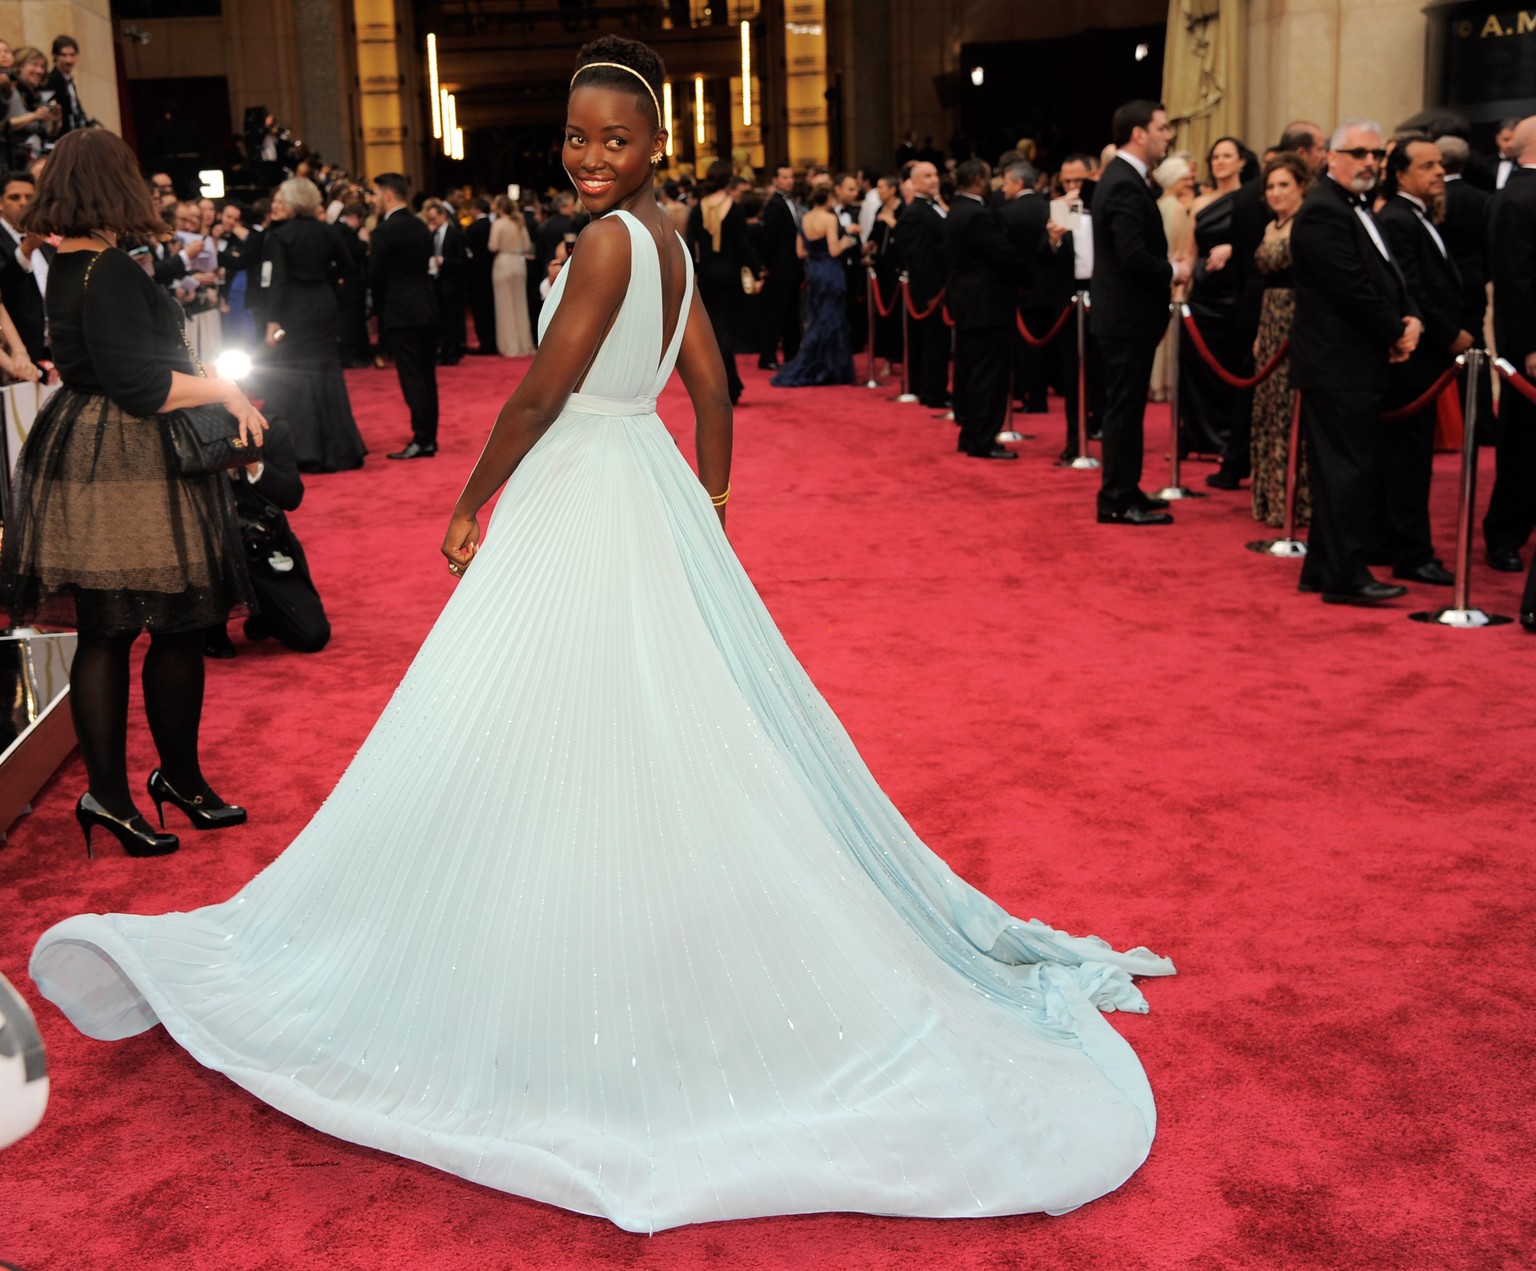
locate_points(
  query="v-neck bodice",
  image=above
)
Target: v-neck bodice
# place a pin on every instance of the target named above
(632, 366)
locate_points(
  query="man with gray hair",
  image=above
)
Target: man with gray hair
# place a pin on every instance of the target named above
(1024, 213)
(1463, 225)
(1353, 317)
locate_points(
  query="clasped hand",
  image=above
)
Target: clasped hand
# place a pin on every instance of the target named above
(461, 542)
(1407, 342)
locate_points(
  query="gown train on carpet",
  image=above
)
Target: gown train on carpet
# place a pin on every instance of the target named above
(608, 912)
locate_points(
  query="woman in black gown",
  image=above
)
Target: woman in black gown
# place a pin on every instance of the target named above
(717, 236)
(104, 533)
(881, 253)
(304, 380)
(1205, 401)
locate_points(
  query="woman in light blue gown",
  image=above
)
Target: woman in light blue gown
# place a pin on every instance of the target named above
(607, 911)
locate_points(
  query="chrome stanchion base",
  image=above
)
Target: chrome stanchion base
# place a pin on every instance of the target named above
(1013, 434)
(1466, 618)
(906, 399)
(948, 414)
(1083, 463)
(1285, 548)
(1175, 492)
(873, 384)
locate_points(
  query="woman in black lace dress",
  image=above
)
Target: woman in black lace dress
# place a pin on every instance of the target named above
(1286, 179)
(105, 534)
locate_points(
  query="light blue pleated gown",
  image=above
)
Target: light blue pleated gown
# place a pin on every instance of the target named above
(608, 912)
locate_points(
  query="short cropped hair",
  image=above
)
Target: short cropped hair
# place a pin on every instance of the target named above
(301, 195)
(1131, 116)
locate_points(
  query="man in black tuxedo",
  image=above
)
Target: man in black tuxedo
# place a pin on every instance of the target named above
(399, 260)
(919, 240)
(780, 302)
(1132, 281)
(450, 281)
(1250, 218)
(1512, 266)
(1415, 183)
(982, 288)
(22, 285)
(546, 242)
(478, 261)
(61, 83)
(1024, 214)
(1464, 228)
(1354, 316)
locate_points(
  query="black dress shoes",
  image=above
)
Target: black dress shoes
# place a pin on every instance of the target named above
(415, 450)
(1528, 621)
(1152, 503)
(1223, 481)
(1431, 571)
(1371, 593)
(767, 366)
(997, 452)
(1134, 515)
(1505, 559)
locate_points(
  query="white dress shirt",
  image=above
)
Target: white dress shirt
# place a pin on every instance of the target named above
(1420, 210)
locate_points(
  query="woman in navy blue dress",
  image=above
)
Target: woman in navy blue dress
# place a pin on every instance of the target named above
(826, 355)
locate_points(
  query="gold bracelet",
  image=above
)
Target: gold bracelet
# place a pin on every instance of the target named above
(719, 500)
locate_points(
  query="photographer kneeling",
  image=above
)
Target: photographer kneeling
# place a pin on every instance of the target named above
(290, 609)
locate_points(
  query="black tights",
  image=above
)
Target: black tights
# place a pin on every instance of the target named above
(173, 703)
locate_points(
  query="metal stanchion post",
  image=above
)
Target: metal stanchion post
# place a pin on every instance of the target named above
(1175, 489)
(869, 303)
(906, 395)
(1287, 545)
(1461, 613)
(1084, 460)
(1009, 432)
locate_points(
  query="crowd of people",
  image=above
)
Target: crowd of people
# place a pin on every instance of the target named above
(963, 274)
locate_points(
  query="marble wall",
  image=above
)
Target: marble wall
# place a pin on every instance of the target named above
(1327, 60)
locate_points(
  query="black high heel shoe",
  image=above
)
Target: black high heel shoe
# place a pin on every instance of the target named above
(132, 832)
(206, 811)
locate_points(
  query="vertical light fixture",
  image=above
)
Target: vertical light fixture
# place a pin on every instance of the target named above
(458, 142)
(698, 109)
(666, 111)
(450, 121)
(746, 74)
(437, 104)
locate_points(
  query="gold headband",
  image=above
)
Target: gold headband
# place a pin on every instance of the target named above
(619, 66)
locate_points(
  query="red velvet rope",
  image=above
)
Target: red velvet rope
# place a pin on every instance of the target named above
(1515, 380)
(1425, 399)
(884, 311)
(1041, 341)
(1226, 376)
(938, 300)
(948, 321)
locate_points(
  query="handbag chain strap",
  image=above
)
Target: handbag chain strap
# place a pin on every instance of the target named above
(191, 353)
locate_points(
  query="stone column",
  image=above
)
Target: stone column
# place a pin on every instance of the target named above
(321, 67)
(1327, 60)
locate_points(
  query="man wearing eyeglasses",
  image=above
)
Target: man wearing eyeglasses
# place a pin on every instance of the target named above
(1354, 317)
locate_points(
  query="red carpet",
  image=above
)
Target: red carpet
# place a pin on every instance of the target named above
(1321, 814)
